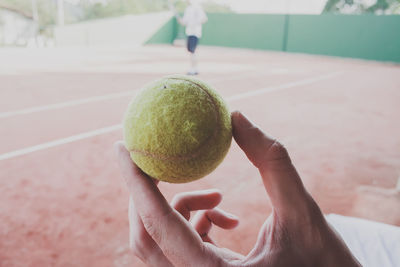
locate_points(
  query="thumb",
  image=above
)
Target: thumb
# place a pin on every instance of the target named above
(280, 178)
(172, 233)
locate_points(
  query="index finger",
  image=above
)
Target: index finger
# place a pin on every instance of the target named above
(179, 242)
(281, 180)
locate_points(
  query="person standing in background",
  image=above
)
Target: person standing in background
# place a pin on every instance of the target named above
(193, 19)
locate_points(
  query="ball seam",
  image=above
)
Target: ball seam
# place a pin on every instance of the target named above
(198, 150)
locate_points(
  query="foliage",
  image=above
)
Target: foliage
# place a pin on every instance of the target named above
(80, 10)
(114, 8)
(209, 6)
(360, 7)
(46, 9)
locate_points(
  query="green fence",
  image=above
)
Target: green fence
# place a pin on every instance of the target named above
(362, 36)
(166, 34)
(248, 31)
(358, 36)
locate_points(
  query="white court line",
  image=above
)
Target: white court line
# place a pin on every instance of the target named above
(58, 142)
(65, 104)
(71, 103)
(282, 86)
(81, 136)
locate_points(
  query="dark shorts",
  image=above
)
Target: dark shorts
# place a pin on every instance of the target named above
(192, 43)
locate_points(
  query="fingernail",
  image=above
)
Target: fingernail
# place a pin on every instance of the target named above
(242, 120)
(231, 216)
(228, 214)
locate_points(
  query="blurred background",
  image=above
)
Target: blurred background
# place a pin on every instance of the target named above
(38, 22)
(322, 76)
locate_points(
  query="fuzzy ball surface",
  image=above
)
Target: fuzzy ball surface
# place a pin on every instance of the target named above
(177, 129)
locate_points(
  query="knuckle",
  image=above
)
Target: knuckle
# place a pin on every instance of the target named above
(271, 153)
(151, 225)
(179, 204)
(276, 156)
(277, 151)
(177, 200)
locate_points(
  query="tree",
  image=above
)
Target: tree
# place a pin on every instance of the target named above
(45, 10)
(360, 7)
(81, 10)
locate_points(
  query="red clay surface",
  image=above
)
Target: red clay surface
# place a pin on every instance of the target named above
(66, 205)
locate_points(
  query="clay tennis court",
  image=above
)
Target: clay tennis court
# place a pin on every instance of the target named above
(63, 202)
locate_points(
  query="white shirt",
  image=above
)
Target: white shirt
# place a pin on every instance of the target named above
(193, 18)
(372, 243)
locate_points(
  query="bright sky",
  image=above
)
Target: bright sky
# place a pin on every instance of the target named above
(276, 6)
(265, 6)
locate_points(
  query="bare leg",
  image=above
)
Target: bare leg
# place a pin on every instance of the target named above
(193, 64)
(398, 185)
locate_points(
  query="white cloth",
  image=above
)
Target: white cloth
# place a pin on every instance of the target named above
(373, 244)
(193, 18)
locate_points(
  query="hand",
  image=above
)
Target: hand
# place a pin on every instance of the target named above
(173, 10)
(295, 234)
(206, 200)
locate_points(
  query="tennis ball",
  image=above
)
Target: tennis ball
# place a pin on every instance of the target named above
(177, 129)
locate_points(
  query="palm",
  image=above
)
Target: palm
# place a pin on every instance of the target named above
(295, 234)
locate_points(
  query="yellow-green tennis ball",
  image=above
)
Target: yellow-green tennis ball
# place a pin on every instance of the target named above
(177, 129)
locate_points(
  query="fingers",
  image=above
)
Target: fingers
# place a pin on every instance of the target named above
(186, 202)
(205, 200)
(136, 229)
(280, 177)
(203, 221)
(140, 242)
(173, 234)
(140, 186)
